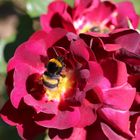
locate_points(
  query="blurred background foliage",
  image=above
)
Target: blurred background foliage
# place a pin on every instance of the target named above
(18, 20)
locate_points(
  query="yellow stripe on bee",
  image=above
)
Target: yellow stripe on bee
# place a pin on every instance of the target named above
(58, 63)
(49, 80)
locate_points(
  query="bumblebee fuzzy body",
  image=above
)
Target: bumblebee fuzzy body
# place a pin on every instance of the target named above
(53, 73)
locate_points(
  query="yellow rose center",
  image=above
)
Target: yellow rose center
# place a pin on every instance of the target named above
(65, 83)
(94, 28)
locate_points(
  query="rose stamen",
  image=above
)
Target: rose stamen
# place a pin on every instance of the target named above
(64, 84)
(94, 28)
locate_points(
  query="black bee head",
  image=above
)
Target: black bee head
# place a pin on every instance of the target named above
(54, 66)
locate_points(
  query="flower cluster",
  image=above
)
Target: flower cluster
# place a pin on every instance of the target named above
(91, 15)
(78, 77)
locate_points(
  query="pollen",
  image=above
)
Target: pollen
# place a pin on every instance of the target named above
(56, 93)
(85, 28)
(94, 27)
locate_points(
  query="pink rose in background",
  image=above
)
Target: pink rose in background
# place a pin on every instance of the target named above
(91, 15)
(42, 98)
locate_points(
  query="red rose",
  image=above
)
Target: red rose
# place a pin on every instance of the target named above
(49, 76)
(90, 15)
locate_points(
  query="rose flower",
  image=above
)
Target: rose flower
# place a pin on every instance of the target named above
(122, 45)
(47, 82)
(90, 15)
(118, 113)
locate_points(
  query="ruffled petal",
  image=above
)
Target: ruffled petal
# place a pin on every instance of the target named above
(7, 114)
(29, 130)
(115, 71)
(21, 73)
(41, 105)
(63, 120)
(119, 97)
(117, 118)
(31, 52)
(128, 12)
(111, 135)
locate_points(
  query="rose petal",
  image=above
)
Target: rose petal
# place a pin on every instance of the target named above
(87, 116)
(95, 131)
(79, 48)
(63, 120)
(137, 129)
(96, 77)
(110, 133)
(39, 35)
(34, 49)
(117, 118)
(115, 71)
(29, 130)
(78, 134)
(42, 106)
(7, 114)
(22, 71)
(119, 97)
(128, 12)
(100, 16)
(56, 134)
(124, 38)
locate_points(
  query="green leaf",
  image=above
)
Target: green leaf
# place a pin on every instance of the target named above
(36, 7)
(70, 2)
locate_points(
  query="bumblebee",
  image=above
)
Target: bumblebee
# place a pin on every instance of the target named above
(53, 73)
